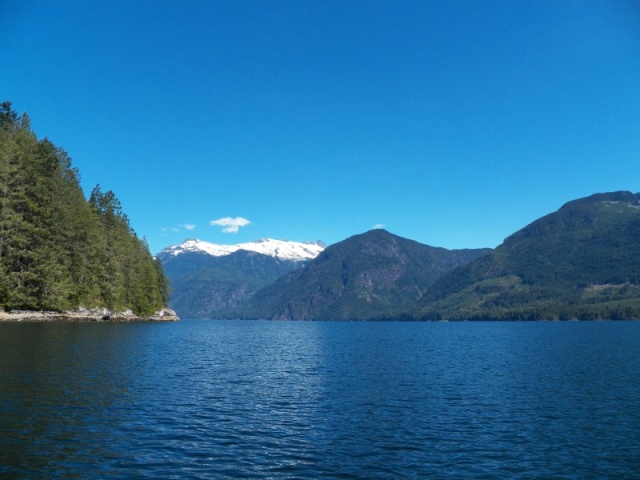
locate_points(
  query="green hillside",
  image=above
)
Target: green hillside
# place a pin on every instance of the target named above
(581, 262)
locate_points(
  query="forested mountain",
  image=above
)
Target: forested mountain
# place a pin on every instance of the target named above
(581, 262)
(209, 280)
(58, 250)
(372, 275)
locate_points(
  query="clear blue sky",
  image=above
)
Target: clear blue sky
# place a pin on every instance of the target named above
(453, 123)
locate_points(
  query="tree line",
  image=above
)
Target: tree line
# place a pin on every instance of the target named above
(58, 250)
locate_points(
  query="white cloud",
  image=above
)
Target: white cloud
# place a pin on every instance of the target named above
(186, 226)
(378, 226)
(230, 225)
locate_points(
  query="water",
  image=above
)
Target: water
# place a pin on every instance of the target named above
(224, 399)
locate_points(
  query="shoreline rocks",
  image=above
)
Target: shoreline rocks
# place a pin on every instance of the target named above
(87, 315)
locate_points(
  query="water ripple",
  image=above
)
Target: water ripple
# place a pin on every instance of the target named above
(267, 400)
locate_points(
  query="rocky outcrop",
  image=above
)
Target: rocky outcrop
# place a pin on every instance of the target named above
(165, 315)
(87, 315)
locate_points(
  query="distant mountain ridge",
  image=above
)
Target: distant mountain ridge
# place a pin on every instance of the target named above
(208, 280)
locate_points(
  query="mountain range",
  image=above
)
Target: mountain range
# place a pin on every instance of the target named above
(580, 262)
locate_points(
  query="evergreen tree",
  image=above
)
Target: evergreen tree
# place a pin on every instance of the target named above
(57, 250)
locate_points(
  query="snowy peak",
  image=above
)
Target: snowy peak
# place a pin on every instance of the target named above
(193, 245)
(282, 249)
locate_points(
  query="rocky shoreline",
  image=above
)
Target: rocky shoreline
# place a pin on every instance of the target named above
(87, 315)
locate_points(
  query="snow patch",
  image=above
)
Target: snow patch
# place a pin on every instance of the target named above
(282, 249)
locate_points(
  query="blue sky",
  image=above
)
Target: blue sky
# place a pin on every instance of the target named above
(453, 123)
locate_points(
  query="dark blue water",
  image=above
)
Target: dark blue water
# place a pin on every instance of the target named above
(207, 399)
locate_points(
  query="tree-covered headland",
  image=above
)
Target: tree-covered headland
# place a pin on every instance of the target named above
(58, 250)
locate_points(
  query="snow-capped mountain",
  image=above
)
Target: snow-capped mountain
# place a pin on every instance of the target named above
(208, 279)
(281, 249)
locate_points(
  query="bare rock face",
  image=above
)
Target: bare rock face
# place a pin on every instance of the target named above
(165, 315)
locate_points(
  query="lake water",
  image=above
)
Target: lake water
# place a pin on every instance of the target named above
(250, 399)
